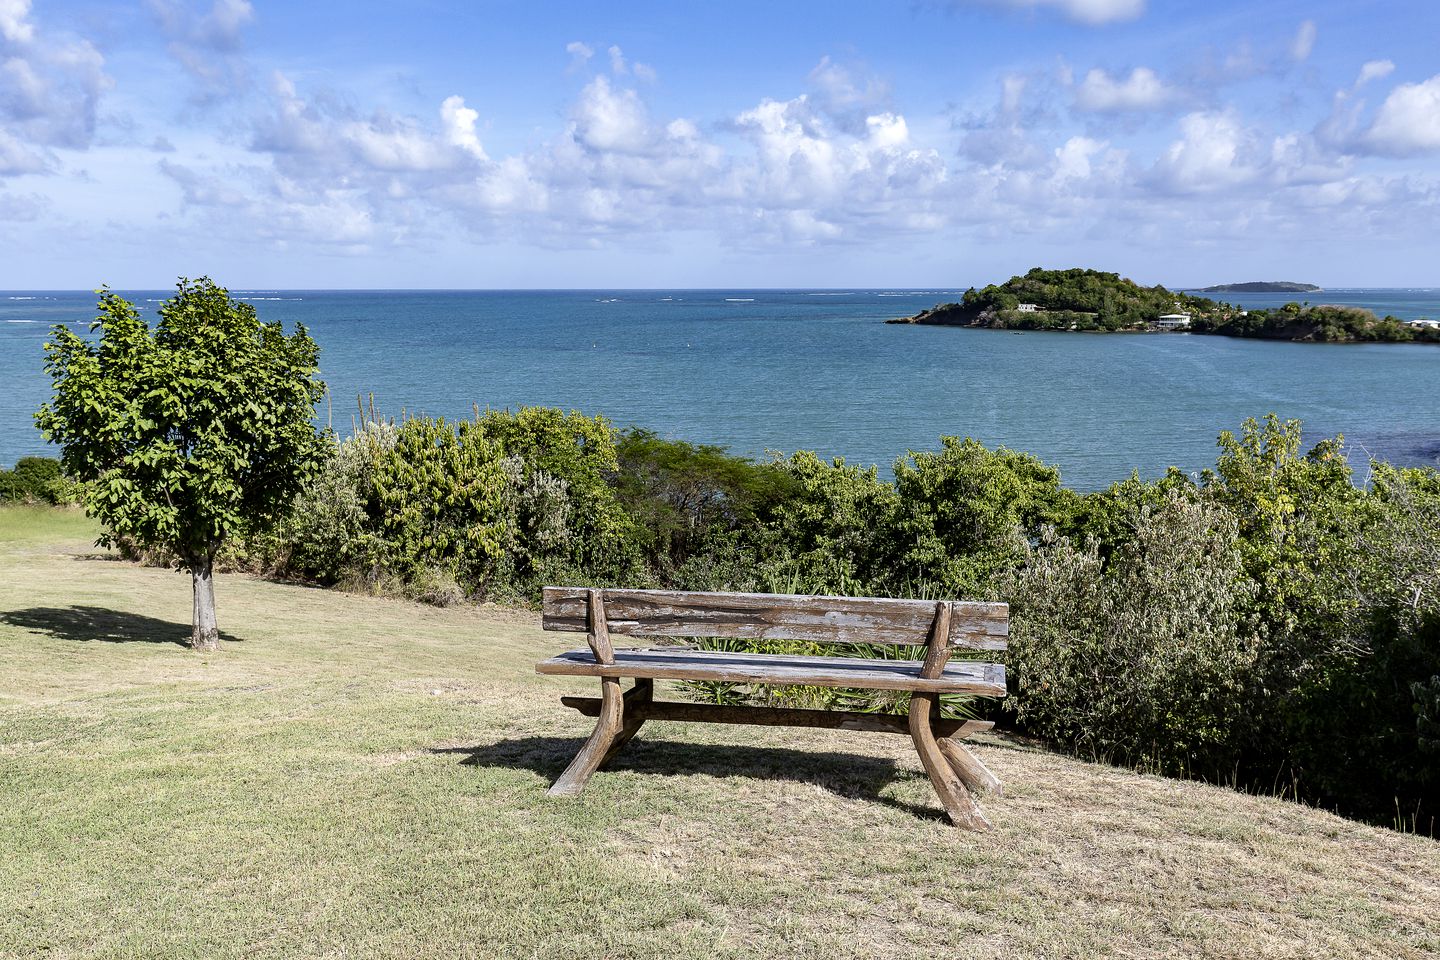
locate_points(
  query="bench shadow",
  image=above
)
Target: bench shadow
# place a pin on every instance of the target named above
(844, 774)
(85, 623)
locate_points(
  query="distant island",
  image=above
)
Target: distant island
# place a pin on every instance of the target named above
(1262, 286)
(1094, 301)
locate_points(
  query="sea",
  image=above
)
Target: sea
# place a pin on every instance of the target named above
(769, 371)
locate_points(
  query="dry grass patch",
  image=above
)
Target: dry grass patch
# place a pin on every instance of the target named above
(365, 778)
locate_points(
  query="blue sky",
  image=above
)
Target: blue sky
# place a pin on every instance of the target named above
(656, 144)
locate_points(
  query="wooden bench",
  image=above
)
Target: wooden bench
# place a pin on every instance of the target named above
(941, 627)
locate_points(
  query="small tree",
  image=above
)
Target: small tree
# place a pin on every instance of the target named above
(189, 433)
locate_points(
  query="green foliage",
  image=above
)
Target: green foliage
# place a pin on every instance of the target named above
(1360, 730)
(1326, 323)
(189, 433)
(832, 534)
(965, 513)
(1093, 300)
(441, 510)
(1144, 658)
(38, 480)
(689, 500)
(1073, 299)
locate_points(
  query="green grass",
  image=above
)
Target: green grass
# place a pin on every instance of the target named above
(357, 777)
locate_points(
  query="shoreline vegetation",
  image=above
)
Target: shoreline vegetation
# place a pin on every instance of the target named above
(1093, 301)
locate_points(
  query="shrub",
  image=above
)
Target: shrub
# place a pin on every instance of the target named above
(833, 533)
(1143, 659)
(1358, 733)
(964, 513)
(38, 480)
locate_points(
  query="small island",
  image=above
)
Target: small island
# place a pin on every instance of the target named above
(1262, 286)
(1081, 300)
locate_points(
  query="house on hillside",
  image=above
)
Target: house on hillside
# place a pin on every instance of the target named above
(1430, 324)
(1027, 308)
(1173, 321)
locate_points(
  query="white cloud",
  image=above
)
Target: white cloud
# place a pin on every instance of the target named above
(1408, 122)
(18, 158)
(1303, 42)
(617, 61)
(207, 42)
(459, 121)
(1214, 152)
(803, 162)
(15, 25)
(1374, 70)
(1093, 12)
(606, 118)
(1142, 90)
(580, 53)
(849, 92)
(1072, 160)
(50, 88)
(837, 164)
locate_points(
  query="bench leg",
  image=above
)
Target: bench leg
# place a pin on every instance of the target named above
(596, 750)
(968, 767)
(642, 692)
(958, 803)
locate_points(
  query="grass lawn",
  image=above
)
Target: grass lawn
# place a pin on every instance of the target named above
(355, 777)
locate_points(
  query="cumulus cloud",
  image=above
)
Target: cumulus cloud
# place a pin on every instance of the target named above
(1141, 90)
(1408, 122)
(50, 86)
(835, 162)
(207, 42)
(1093, 12)
(15, 25)
(1214, 152)
(607, 118)
(1303, 42)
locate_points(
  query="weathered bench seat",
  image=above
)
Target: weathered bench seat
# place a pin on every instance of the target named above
(935, 627)
(686, 663)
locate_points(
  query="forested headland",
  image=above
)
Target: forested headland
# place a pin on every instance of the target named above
(1094, 301)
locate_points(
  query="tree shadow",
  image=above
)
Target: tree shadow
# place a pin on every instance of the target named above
(83, 623)
(844, 774)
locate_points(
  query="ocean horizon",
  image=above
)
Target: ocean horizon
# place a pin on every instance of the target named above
(776, 369)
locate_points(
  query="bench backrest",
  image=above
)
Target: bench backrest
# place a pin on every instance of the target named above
(770, 616)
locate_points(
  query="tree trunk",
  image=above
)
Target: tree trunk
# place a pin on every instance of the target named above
(205, 635)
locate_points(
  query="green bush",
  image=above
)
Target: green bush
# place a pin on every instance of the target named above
(964, 513)
(1144, 658)
(37, 480)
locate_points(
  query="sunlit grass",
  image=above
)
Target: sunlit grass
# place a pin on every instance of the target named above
(361, 777)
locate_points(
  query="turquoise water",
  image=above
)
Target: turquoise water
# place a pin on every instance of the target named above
(784, 370)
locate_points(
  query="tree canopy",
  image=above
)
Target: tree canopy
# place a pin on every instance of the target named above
(189, 433)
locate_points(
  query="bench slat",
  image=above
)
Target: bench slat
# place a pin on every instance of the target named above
(683, 663)
(780, 716)
(766, 616)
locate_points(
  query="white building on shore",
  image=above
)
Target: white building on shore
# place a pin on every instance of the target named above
(1173, 321)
